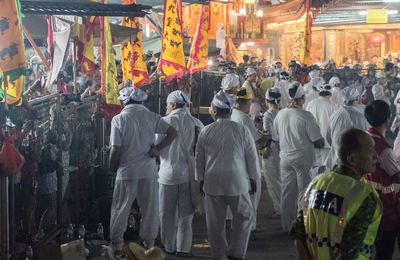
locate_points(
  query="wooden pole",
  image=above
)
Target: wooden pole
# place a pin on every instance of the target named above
(30, 39)
(74, 66)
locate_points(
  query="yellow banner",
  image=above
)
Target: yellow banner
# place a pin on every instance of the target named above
(172, 60)
(198, 57)
(377, 16)
(12, 55)
(305, 52)
(109, 68)
(83, 40)
(14, 90)
(133, 65)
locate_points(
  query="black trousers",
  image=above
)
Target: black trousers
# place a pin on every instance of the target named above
(385, 243)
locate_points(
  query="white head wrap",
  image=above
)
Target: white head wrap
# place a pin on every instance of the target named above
(132, 93)
(274, 90)
(317, 82)
(300, 90)
(271, 71)
(334, 81)
(313, 74)
(325, 87)
(380, 74)
(178, 96)
(350, 94)
(230, 81)
(224, 100)
(220, 26)
(250, 71)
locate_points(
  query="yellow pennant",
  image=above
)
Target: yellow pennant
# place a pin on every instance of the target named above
(172, 61)
(109, 68)
(199, 51)
(83, 39)
(14, 90)
(305, 52)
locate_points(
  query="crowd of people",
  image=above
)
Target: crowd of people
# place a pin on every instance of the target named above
(319, 134)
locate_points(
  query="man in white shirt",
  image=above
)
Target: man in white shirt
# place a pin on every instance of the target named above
(311, 75)
(227, 167)
(297, 133)
(176, 209)
(316, 84)
(220, 40)
(379, 91)
(346, 117)
(322, 109)
(250, 85)
(132, 157)
(337, 95)
(240, 114)
(283, 86)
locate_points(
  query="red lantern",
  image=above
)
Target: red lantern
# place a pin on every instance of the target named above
(376, 38)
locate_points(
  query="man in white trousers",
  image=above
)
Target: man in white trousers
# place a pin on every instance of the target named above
(132, 157)
(176, 209)
(227, 167)
(346, 117)
(297, 133)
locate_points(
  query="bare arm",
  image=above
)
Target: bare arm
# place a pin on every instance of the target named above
(115, 155)
(171, 134)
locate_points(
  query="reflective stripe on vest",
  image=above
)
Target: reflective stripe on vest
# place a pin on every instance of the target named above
(330, 202)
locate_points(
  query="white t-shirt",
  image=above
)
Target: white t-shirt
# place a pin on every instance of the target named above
(134, 131)
(322, 110)
(381, 93)
(174, 158)
(310, 97)
(295, 130)
(226, 157)
(244, 119)
(220, 39)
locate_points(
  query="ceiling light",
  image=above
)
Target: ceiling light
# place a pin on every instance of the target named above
(242, 11)
(250, 44)
(392, 12)
(362, 13)
(391, 1)
(210, 63)
(260, 13)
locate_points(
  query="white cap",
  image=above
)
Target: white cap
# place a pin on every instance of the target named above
(325, 87)
(273, 94)
(380, 74)
(230, 81)
(178, 96)
(313, 74)
(350, 93)
(271, 71)
(334, 81)
(250, 71)
(132, 93)
(224, 100)
(300, 91)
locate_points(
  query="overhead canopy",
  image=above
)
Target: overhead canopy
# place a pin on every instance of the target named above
(81, 8)
(354, 12)
(37, 28)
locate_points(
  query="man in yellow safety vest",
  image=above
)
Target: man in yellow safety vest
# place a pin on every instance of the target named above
(341, 214)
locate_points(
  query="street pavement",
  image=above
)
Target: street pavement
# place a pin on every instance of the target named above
(267, 242)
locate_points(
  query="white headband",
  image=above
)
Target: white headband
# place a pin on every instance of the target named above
(132, 93)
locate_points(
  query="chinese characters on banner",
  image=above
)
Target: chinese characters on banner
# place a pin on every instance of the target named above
(172, 61)
(133, 66)
(12, 56)
(199, 50)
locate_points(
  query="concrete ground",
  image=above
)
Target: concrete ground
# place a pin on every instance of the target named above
(267, 242)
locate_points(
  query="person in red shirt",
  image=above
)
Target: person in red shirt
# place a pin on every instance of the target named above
(385, 180)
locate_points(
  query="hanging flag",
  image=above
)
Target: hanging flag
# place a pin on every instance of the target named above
(172, 61)
(133, 66)
(109, 83)
(82, 35)
(199, 51)
(305, 52)
(12, 56)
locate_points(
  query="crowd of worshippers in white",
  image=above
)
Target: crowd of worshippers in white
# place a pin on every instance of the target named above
(220, 161)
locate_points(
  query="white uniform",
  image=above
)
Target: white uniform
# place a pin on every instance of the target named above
(134, 131)
(176, 209)
(244, 119)
(346, 117)
(255, 107)
(226, 158)
(322, 109)
(220, 42)
(310, 97)
(283, 86)
(296, 130)
(381, 93)
(337, 98)
(272, 164)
